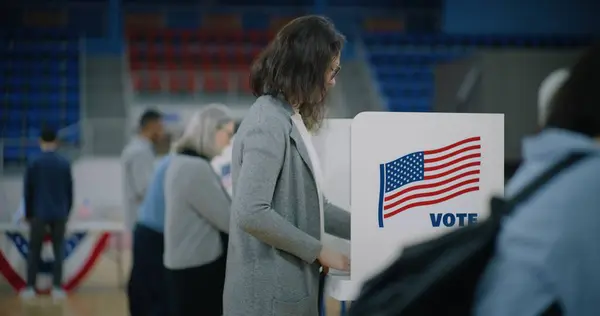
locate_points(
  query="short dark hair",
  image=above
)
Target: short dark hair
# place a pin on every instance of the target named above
(294, 64)
(48, 135)
(149, 116)
(576, 105)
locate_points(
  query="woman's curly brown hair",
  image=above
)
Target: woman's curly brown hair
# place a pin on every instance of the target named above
(294, 64)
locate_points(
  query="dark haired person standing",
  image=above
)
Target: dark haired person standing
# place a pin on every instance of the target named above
(546, 257)
(137, 161)
(278, 211)
(48, 190)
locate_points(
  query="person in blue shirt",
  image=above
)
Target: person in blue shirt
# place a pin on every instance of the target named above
(48, 199)
(546, 254)
(147, 285)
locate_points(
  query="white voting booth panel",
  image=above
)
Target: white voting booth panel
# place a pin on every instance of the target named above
(332, 144)
(416, 176)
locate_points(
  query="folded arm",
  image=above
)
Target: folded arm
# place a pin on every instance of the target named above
(262, 159)
(337, 220)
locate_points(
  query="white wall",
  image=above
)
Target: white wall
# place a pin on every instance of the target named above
(11, 188)
(97, 180)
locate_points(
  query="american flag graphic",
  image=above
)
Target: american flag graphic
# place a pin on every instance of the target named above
(429, 177)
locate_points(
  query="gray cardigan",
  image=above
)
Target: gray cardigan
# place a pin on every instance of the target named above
(274, 237)
(196, 209)
(137, 161)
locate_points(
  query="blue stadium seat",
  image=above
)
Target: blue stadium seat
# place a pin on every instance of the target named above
(12, 152)
(31, 150)
(40, 72)
(402, 63)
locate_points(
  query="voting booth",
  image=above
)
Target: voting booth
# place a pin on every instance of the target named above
(406, 178)
(416, 176)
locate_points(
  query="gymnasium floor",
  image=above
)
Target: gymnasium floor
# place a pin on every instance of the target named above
(99, 296)
(111, 303)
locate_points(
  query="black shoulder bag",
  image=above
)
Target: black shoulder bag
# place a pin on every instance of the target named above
(439, 277)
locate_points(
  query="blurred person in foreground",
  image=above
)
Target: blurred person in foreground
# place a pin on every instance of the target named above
(197, 216)
(137, 160)
(48, 192)
(546, 252)
(548, 88)
(147, 292)
(279, 212)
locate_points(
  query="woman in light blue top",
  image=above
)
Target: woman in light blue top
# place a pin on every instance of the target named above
(547, 252)
(147, 287)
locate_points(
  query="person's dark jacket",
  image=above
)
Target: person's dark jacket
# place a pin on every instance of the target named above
(48, 188)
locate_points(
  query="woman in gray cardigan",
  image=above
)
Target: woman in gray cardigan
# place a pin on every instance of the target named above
(279, 212)
(197, 216)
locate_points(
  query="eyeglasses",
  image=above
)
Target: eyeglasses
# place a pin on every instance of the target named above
(334, 72)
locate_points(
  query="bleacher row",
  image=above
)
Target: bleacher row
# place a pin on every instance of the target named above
(207, 61)
(40, 70)
(39, 73)
(193, 61)
(403, 64)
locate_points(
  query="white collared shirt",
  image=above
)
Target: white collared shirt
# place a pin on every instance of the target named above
(316, 165)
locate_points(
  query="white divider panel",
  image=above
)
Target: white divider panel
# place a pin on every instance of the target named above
(416, 176)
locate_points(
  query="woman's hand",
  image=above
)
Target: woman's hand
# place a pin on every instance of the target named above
(334, 260)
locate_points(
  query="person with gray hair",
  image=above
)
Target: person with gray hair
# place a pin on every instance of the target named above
(197, 215)
(547, 90)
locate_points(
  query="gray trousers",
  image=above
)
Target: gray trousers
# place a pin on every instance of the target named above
(38, 229)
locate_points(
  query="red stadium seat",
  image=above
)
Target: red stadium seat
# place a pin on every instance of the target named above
(186, 36)
(153, 36)
(155, 81)
(136, 82)
(202, 36)
(244, 80)
(135, 55)
(153, 57)
(225, 58)
(182, 82)
(241, 57)
(215, 82)
(169, 60)
(187, 58)
(257, 37)
(145, 81)
(254, 52)
(170, 56)
(170, 36)
(135, 65)
(237, 37)
(207, 60)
